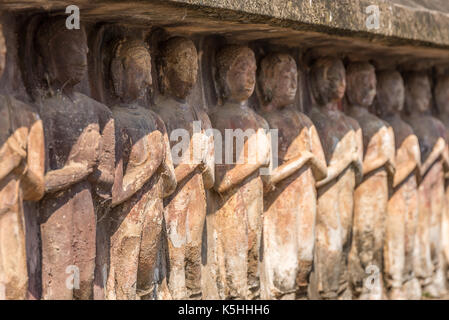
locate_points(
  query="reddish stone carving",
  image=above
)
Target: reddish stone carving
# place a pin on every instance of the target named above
(144, 174)
(371, 196)
(400, 249)
(21, 178)
(185, 209)
(290, 198)
(342, 143)
(74, 124)
(238, 187)
(430, 132)
(441, 99)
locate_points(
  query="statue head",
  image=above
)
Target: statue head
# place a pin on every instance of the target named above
(361, 84)
(328, 80)
(63, 51)
(178, 67)
(278, 79)
(236, 72)
(2, 51)
(417, 92)
(390, 92)
(131, 70)
(441, 94)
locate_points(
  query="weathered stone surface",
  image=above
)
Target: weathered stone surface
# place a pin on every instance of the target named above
(371, 195)
(290, 195)
(185, 210)
(400, 251)
(239, 208)
(21, 178)
(431, 136)
(109, 203)
(342, 143)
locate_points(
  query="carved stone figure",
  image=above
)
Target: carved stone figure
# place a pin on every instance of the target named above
(74, 125)
(21, 178)
(290, 197)
(371, 196)
(144, 175)
(400, 250)
(185, 209)
(341, 139)
(238, 186)
(441, 95)
(430, 132)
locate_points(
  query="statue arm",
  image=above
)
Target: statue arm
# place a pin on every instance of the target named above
(33, 180)
(437, 151)
(208, 151)
(335, 168)
(286, 169)
(383, 145)
(405, 169)
(318, 161)
(60, 179)
(11, 156)
(208, 161)
(127, 184)
(75, 170)
(225, 178)
(103, 176)
(168, 171)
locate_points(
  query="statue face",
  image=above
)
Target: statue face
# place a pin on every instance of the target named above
(362, 86)
(241, 77)
(68, 52)
(390, 92)
(182, 70)
(280, 81)
(337, 81)
(132, 74)
(419, 93)
(395, 93)
(2, 52)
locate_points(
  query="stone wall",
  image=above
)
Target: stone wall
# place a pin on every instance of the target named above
(112, 214)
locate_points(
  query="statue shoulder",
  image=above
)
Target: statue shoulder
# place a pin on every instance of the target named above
(262, 122)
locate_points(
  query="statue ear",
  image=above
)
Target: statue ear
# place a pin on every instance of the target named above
(117, 72)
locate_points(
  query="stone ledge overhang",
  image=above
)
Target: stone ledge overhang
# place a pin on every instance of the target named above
(412, 31)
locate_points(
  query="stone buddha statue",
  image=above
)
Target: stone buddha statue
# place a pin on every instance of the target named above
(400, 250)
(185, 209)
(371, 195)
(238, 186)
(290, 197)
(342, 143)
(21, 178)
(430, 133)
(77, 129)
(144, 175)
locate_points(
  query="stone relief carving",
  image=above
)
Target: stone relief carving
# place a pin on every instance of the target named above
(430, 133)
(21, 178)
(371, 195)
(238, 187)
(341, 139)
(123, 198)
(290, 198)
(185, 209)
(144, 175)
(73, 125)
(401, 221)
